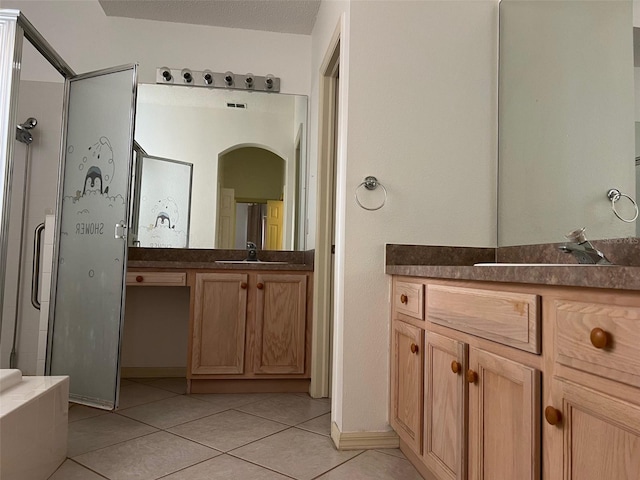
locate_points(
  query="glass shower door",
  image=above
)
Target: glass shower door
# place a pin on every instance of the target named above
(87, 307)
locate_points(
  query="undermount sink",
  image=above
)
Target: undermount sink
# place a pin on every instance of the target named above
(252, 262)
(539, 265)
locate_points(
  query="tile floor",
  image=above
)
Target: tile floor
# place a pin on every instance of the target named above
(159, 432)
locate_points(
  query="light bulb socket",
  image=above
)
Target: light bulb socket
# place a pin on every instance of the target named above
(187, 76)
(228, 79)
(207, 77)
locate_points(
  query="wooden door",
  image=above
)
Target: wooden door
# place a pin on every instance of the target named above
(445, 405)
(504, 418)
(219, 318)
(280, 328)
(226, 218)
(595, 436)
(275, 222)
(406, 383)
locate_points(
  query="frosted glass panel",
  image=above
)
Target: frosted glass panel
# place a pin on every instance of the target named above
(165, 201)
(89, 296)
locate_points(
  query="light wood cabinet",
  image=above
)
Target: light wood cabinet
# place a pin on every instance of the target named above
(281, 302)
(249, 326)
(219, 323)
(445, 407)
(546, 385)
(504, 419)
(406, 383)
(595, 436)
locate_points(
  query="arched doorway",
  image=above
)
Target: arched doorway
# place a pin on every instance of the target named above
(251, 185)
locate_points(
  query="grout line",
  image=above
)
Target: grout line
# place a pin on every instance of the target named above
(261, 466)
(382, 450)
(111, 445)
(339, 465)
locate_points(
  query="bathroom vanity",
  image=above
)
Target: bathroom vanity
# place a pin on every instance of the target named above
(249, 323)
(516, 372)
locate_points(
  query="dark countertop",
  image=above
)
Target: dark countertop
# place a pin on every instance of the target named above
(182, 258)
(456, 263)
(617, 277)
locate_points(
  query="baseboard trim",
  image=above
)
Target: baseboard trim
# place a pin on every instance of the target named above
(153, 372)
(363, 440)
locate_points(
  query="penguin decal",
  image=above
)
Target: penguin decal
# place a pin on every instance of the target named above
(93, 174)
(163, 217)
(100, 159)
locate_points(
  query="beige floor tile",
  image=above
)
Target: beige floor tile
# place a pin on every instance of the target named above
(175, 385)
(321, 425)
(138, 394)
(373, 465)
(396, 452)
(228, 430)
(225, 467)
(170, 411)
(146, 458)
(80, 412)
(287, 408)
(98, 432)
(71, 470)
(297, 453)
(226, 401)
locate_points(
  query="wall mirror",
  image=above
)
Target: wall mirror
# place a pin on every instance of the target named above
(566, 119)
(247, 152)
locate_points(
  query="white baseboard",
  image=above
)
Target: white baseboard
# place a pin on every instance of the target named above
(363, 440)
(153, 372)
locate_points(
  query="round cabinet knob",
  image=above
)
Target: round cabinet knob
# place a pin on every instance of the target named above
(260, 286)
(139, 279)
(456, 367)
(472, 377)
(552, 415)
(599, 338)
(414, 348)
(243, 285)
(404, 299)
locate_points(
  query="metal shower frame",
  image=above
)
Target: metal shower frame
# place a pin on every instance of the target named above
(14, 27)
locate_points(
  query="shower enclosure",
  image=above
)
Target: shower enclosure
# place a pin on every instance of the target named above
(89, 259)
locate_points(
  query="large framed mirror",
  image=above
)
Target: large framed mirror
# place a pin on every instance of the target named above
(566, 120)
(248, 154)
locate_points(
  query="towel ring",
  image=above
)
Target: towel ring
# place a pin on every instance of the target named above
(614, 195)
(371, 183)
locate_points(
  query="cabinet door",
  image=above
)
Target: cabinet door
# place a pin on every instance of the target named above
(219, 318)
(595, 436)
(280, 329)
(445, 403)
(504, 418)
(406, 383)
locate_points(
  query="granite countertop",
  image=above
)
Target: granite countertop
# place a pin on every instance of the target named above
(182, 258)
(456, 263)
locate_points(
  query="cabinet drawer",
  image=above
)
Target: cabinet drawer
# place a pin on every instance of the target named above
(408, 298)
(157, 279)
(504, 317)
(579, 327)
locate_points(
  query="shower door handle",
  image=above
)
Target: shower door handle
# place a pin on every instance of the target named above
(35, 271)
(120, 230)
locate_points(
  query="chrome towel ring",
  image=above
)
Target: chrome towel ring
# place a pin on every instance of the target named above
(371, 183)
(614, 195)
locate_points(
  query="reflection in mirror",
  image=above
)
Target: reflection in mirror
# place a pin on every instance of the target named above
(566, 119)
(248, 154)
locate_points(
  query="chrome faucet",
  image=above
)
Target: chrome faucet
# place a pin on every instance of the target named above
(582, 249)
(252, 255)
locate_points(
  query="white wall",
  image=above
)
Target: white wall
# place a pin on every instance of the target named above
(422, 118)
(89, 40)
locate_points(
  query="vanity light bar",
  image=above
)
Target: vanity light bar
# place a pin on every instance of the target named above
(207, 78)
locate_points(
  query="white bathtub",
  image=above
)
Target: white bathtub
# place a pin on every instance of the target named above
(34, 415)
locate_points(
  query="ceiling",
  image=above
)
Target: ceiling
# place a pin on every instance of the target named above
(284, 16)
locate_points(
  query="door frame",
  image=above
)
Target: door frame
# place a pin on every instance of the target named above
(321, 361)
